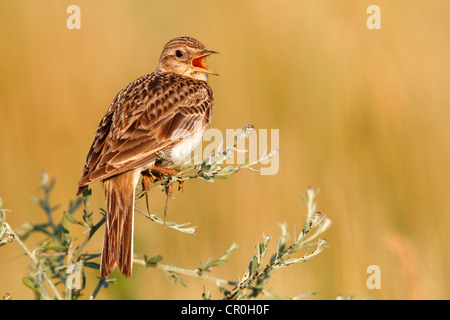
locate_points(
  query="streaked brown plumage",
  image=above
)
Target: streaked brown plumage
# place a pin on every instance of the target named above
(159, 112)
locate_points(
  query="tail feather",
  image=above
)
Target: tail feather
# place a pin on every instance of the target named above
(118, 239)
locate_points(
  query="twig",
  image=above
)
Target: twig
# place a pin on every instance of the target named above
(34, 261)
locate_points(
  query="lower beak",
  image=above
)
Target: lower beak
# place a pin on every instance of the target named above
(199, 62)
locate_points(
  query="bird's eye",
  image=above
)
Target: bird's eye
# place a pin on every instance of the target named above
(179, 53)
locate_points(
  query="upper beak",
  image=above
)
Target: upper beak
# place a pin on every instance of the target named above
(199, 62)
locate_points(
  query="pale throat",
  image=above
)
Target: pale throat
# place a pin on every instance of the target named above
(199, 76)
(188, 72)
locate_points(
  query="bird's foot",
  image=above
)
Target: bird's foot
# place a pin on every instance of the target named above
(169, 189)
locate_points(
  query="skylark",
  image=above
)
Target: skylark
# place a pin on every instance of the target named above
(164, 112)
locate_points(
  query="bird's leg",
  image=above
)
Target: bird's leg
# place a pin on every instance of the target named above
(169, 171)
(169, 191)
(147, 179)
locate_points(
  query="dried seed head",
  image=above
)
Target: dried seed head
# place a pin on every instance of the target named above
(9, 237)
(160, 154)
(273, 153)
(310, 193)
(316, 218)
(44, 178)
(322, 243)
(248, 130)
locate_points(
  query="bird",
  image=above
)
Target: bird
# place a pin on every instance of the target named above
(164, 112)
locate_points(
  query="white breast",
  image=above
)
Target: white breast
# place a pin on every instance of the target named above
(185, 147)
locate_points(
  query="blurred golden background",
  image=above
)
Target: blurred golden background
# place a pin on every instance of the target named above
(363, 115)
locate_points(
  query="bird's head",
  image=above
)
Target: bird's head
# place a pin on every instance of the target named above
(185, 56)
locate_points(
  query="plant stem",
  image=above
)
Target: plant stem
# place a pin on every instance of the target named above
(34, 260)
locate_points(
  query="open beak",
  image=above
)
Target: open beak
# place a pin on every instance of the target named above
(199, 62)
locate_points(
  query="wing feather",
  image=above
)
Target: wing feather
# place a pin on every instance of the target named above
(149, 115)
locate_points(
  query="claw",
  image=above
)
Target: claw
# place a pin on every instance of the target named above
(169, 189)
(169, 171)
